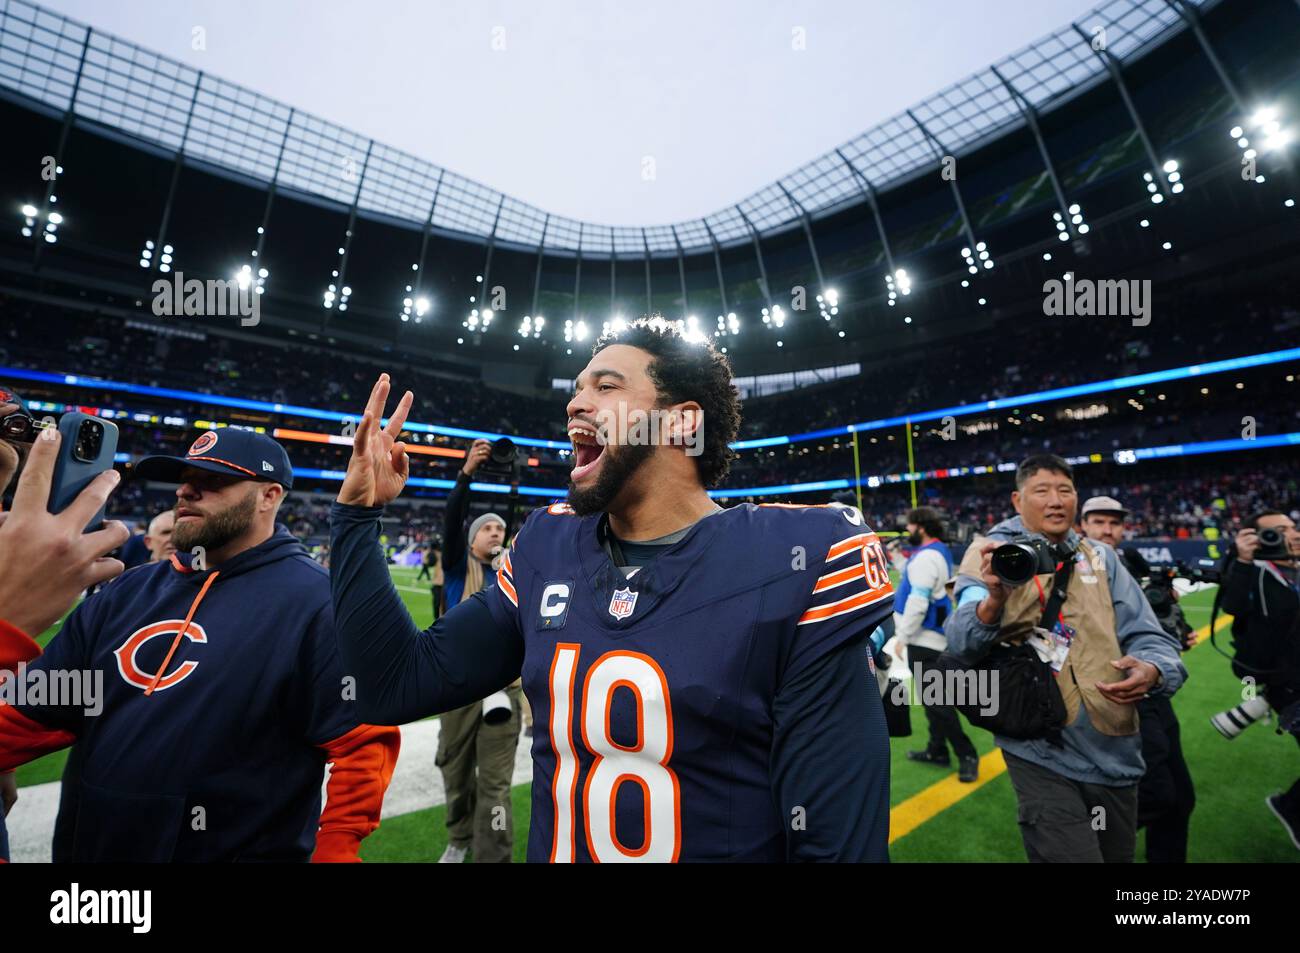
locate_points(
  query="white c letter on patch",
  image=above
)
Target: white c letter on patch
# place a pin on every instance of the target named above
(554, 599)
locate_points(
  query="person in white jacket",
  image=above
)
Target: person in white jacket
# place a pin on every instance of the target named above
(921, 606)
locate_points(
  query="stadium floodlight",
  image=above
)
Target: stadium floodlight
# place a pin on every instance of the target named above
(828, 303)
(1263, 116)
(29, 211)
(898, 283)
(580, 331)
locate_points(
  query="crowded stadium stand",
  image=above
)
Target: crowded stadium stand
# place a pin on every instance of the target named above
(860, 289)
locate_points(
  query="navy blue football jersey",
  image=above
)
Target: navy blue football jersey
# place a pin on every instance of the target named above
(653, 695)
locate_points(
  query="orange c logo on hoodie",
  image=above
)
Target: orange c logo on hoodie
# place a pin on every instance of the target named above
(126, 663)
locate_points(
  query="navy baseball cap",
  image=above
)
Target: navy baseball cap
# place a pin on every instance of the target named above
(254, 456)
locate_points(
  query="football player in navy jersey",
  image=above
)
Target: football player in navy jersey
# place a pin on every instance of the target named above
(700, 677)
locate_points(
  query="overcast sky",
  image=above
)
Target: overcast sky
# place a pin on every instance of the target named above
(560, 102)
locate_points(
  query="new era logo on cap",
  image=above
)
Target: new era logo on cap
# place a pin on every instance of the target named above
(266, 467)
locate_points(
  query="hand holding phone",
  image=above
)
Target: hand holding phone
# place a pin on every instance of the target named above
(46, 561)
(86, 450)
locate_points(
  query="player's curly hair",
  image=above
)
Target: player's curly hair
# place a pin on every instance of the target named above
(685, 370)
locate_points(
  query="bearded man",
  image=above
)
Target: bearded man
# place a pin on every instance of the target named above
(212, 693)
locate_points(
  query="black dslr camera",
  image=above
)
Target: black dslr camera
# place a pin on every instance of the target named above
(502, 461)
(1160, 584)
(1159, 590)
(1272, 545)
(1023, 557)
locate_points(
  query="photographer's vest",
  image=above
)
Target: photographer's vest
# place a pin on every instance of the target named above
(1089, 611)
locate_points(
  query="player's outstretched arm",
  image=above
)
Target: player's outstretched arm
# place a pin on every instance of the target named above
(403, 674)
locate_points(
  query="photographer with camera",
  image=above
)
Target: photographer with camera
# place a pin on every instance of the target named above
(1166, 796)
(1064, 634)
(921, 606)
(476, 743)
(1261, 589)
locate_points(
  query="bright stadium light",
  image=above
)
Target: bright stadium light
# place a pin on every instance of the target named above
(580, 331)
(29, 211)
(899, 283)
(828, 303)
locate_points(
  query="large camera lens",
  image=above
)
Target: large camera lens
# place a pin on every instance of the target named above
(90, 438)
(1014, 563)
(503, 452)
(1160, 598)
(1270, 538)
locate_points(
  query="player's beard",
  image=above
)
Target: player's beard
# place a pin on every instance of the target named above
(217, 529)
(615, 470)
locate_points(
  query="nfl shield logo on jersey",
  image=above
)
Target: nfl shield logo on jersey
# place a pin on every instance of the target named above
(622, 603)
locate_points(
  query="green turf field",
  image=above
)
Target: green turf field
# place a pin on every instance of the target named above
(1232, 778)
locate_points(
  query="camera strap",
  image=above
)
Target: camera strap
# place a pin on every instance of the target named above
(1060, 586)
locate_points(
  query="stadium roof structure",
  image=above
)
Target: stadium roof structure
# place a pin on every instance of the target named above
(69, 67)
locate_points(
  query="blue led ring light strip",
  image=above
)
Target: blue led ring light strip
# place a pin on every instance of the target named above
(1143, 453)
(1077, 390)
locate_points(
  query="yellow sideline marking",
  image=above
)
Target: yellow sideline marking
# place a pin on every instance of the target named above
(925, 805)
(940, 796)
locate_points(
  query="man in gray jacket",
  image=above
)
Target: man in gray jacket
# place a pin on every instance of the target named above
(1077, 799)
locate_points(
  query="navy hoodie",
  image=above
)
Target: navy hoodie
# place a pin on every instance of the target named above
(220, 762)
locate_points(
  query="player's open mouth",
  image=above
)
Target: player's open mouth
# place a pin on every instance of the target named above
(587, 450)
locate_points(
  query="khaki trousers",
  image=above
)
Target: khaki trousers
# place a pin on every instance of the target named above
(477, 763)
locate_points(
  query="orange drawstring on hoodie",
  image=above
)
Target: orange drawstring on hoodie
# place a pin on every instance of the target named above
(181, 634)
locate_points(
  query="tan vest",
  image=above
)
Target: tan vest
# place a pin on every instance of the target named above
(1088, 610)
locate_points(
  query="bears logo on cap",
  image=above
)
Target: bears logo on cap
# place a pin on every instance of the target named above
(205, 443)
(6, 396)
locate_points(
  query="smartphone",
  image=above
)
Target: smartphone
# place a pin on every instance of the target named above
(88, 447)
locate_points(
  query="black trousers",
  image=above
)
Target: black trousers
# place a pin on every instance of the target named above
(1166, 796)
(945, 723)
(1067, 821)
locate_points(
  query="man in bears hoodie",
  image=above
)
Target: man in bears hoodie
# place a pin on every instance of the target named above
(223, 695)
